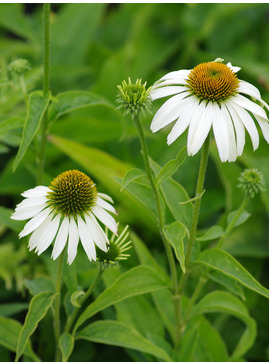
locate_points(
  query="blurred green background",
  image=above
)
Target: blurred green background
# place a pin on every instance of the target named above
(94, 47)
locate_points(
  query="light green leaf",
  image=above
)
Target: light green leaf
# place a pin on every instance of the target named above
(40, 284)
(131, 175)
(11, 124)
(39, 306)
(69, 101)
(241, 219)
(9, 333)
(170, 167)
(220, 301)
(214, 232)
(188, 344)
(175, 234)
(37, 106)
(75, 298)
(223, 262)
(227, 282)
(136, 281)
(119, 334)
(66, 343)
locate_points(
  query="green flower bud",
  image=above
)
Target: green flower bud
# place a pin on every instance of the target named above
(251, 181)
(134, 98)
(19, 66)
(117, 249)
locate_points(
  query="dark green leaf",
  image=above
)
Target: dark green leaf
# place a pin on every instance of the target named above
(175, 234)
(213, 233)
(66, 343)
(40, 284)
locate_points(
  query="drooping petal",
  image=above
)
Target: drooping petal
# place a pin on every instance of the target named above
(98, 237)
(248, 89)
(166, 91)
(239, 129)
(105, 197)
(168, 112)
(72, 241)
(105, 205)
(37, 235)
(221, 134)
(105, 218)
(25, 213)
(248, 105)
(191, 104)
(175, 74)
(61, 238)
(248, 123)
(264, 125)
(199, 127)
(35, 222)
(38, 191)
(48, 235)
(86, 239)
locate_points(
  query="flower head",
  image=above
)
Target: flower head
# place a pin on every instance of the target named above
(210, 95)
(251, 181)
(66, 210)
(134, 97)
(117, 249)
(19, 66)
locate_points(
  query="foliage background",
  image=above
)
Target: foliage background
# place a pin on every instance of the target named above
(94, 47)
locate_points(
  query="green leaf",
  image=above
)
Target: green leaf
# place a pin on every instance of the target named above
(5, 219)
(75, 298)
(9, 309)
(70, 277)
(131, 175)
(40, 284)
(228, 283)
(37, 106)
(175, 234)
(214, 232)
(188, 344)
(170, 167)
(220, 301)
(66, 343)
(9, 333)
(39, 306)
(11, 124)
(136, 281)
(223, 262)
(69, 101)
(119, 334)
(241, 219)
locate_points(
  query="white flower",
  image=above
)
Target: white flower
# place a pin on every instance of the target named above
(66, 211)
(210, 95)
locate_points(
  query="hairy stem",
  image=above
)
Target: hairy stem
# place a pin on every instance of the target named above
(57, 302)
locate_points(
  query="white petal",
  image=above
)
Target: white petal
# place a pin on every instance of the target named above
(248, 123)
(231, 135)
(72, 241)
(175, 74)
(248, 105)
(105, 205)
(168, 112)
(264, 125)
(248, 89)
(31, 202)
(105, 218)
(172, 81)
(37, 235)
(105, 197)
(86, 239)
(239, 129)
(199, 127)
(221, 134)
(158, 93)
(61, 238)
(191, 104)
(38, 191)
(97, 234)
(48, 235)
(24, 213)
(35, 222)
(233, 68)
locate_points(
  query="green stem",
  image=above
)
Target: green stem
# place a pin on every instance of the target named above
(234, 220)
(161, 220)
(195, 214)
(46, 88)
(74, 314)
(57, 321)
(24, 89)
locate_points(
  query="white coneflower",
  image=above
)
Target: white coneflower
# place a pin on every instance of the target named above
(210, 95)
(67, 210)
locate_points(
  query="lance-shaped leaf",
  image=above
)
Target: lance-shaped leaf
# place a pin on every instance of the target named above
(175, 234)
(37, 106)
(66, 344)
